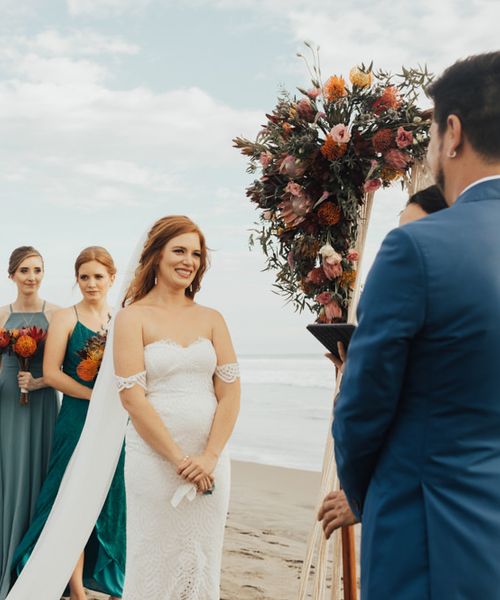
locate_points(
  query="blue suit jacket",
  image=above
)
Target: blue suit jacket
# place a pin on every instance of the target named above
(417, 420)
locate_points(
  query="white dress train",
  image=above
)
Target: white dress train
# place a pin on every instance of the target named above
(174, 538)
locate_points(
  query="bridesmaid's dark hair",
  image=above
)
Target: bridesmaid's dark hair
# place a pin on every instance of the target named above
(21, 254)
(429, 199)
(98, 253)
(160, 234)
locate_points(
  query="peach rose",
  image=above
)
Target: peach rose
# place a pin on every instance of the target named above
(340, 134)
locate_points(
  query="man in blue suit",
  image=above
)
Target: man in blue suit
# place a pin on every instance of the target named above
(417, 420)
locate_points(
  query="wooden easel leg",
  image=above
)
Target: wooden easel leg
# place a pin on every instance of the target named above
(349, 564)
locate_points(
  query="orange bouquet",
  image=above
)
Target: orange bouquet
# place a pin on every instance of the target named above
(24, 344)
(91, 356)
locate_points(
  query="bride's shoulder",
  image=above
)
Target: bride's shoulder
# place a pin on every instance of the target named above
(211, 314)
(130, 315)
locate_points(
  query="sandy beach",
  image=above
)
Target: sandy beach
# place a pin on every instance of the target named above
(271, 513)
(270, 516)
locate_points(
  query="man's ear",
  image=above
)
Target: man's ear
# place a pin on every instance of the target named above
(454, 136)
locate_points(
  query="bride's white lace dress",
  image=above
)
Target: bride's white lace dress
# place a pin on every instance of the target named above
(174, 553)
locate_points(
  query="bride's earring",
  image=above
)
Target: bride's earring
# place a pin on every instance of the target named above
(452, 154)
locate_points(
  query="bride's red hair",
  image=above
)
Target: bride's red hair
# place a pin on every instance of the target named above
(160, 234)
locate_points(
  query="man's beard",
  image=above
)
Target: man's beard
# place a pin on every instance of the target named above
(440, 179)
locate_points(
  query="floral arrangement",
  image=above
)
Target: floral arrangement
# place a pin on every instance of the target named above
(4, 340)
(23, 343)
(319, 154)
(91, 357)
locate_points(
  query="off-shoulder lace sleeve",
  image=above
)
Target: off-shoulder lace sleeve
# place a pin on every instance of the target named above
(229, 372)
(125, 383)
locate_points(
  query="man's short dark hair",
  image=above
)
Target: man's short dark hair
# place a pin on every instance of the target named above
(429, 199)
(470, 89)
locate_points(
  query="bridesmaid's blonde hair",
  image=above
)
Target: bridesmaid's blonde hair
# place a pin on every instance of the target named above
(21, 254)
(160, 234)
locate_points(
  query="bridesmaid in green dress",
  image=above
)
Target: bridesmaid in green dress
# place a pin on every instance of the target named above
(25, 430)
(75, 342)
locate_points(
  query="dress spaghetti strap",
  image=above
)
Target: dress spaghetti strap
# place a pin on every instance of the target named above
(76, 312)
(43, 306)
(10, 308)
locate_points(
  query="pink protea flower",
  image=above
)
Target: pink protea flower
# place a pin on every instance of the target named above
(323, 298)
(352, 255)
(305, 110)
(265, 159)
(292, 166)
(331, 262)
(403, 138)
(397, 159)
(332, 311)
(340, 134)
(332, 271)
(293, 210)
(372, 185)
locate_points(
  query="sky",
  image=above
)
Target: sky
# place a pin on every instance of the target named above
(114, 113)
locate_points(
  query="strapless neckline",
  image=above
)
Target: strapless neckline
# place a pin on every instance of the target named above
(166, 341)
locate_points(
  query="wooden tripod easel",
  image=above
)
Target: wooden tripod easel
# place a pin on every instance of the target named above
(342, 543)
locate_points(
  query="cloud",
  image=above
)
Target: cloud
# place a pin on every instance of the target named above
(129, 173)
(103, 8)
(82, 42)
(131, 145)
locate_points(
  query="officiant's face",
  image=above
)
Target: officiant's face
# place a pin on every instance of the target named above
(180, 261)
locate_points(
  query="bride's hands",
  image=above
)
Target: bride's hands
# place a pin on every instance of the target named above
(205, 484)
(197, 469)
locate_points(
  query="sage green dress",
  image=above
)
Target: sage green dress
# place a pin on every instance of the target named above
(25, 441)
(104, 566)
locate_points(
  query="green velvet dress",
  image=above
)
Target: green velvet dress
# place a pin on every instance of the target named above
(104, 566)
(25, 441)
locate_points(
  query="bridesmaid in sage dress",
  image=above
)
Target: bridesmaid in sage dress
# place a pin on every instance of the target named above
(76, 342)
(25, 430)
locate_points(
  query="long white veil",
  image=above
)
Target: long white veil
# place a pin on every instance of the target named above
(85, 484)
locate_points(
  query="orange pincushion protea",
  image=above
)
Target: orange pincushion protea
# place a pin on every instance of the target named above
(87, 369)
(348, 279)
(332, 150)
(329, 213)
(389, 99)
(334, 88)
(25, 346)
(390, 174)
(382, 140)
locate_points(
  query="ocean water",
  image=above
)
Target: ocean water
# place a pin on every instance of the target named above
(286, 406)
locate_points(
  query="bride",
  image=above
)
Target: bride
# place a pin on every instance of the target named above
(178, 379)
